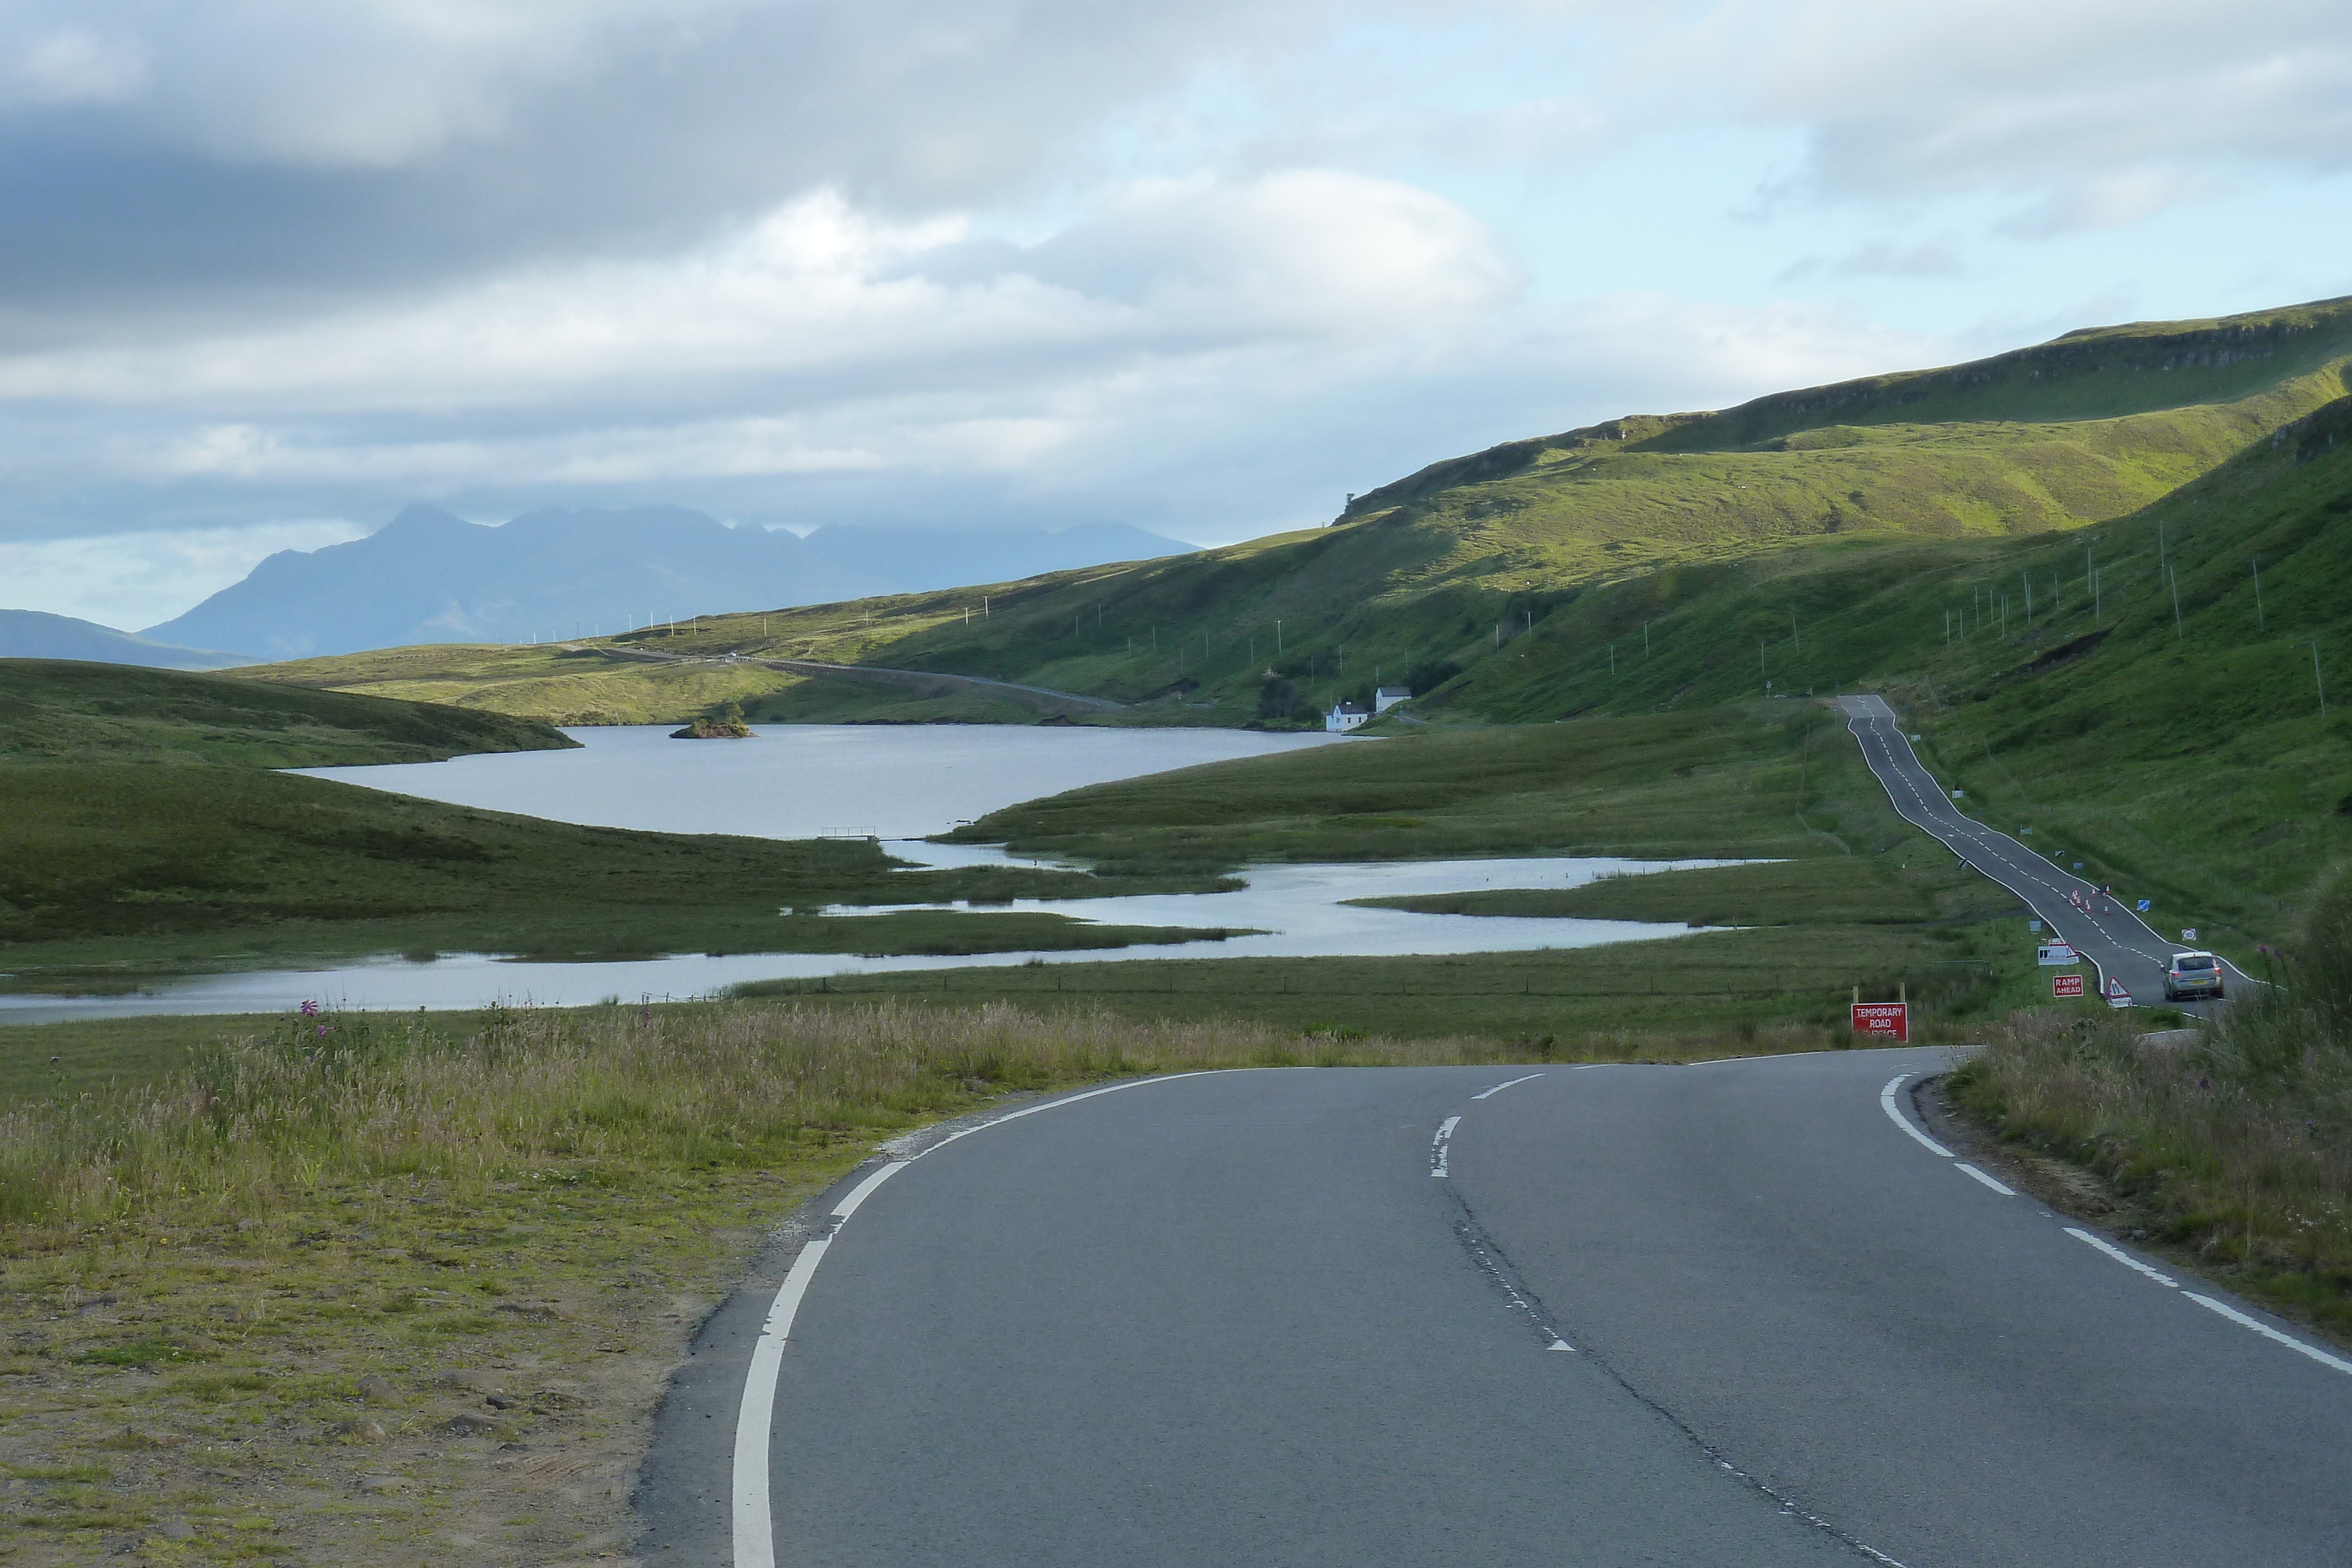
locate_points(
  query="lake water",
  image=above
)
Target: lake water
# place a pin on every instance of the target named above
(896, 783)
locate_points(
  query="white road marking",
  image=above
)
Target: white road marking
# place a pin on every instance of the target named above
(2122, 1257)
(1498, 1088)
(1437, 1145)
(755, 1531)
(2004, 1191)
(2263, 1329)
(1560, 1344)
(1886, 1104)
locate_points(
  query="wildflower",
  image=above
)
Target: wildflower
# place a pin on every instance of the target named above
(310, 1009)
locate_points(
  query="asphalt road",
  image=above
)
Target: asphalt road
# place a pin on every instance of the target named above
(2108, 933)
(1724, 1315)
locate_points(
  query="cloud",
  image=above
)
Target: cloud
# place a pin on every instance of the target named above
(236, 159)
(73, 66)
(1881, 258)
(123, 581)
(818, 301)
(2100, 111)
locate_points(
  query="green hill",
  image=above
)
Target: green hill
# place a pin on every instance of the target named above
(1439, 572)
(60, 709)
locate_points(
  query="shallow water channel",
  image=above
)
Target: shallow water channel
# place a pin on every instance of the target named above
(897, 784)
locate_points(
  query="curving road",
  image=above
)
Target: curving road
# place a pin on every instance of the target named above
(1747, 1313)
(2119, 945)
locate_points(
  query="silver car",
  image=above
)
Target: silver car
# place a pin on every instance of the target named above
(2192, 975)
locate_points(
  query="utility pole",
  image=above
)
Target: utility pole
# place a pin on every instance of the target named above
(1646, 639)
(2022, 578)
(1794, 637)
(2260, 625)
(1612, 661)
(2320, 685)
(1277, 638)
(2172, 576)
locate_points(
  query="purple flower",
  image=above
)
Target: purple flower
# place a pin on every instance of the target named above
(323, 1031)
(310, 1009)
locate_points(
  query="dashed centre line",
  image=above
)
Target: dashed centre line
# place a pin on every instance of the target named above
(1437, 1144)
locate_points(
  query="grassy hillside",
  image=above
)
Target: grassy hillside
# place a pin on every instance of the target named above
(58, 708)
(1440, 570)
(2181, 753)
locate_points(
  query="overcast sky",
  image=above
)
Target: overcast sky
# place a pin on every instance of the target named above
(271, 268)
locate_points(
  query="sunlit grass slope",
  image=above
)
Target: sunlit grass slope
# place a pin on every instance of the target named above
(1436, 572)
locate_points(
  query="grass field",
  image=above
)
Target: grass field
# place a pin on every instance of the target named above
(53, 709)
(1777, 778)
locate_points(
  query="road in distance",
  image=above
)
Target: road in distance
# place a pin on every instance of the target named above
(2116, 942)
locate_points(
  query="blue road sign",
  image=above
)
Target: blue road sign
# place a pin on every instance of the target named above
(2143, 907)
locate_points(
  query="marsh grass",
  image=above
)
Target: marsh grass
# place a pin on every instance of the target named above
(592, 1095)
(2237, 1148)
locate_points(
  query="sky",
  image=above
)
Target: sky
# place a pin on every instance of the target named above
(270, 270)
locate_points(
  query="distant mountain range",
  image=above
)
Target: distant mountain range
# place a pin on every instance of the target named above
(432, 577)
(36, 634)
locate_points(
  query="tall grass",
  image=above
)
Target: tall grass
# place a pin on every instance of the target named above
(2239, 1145)
(599, 1094)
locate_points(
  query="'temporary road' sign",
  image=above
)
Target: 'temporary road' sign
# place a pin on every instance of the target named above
(1883, 1021)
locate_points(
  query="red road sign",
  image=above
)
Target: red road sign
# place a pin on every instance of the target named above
(1883, 1021)
(2066, 984)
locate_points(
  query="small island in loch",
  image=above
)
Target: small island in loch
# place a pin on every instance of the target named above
(727, 723)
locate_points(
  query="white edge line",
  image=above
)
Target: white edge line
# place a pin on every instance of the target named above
(755, 1534)
(1498, 1088)
(1886, 1104)
(1066, 1100)
(2263, 1329)
(2004, 1191)
(2120, 1256)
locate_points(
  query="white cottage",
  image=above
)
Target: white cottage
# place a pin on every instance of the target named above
(1345, 718)
(1387, 697)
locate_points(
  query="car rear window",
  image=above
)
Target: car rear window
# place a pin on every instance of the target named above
(2192, 962)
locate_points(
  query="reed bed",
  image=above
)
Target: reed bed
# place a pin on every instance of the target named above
(2236, 1146)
